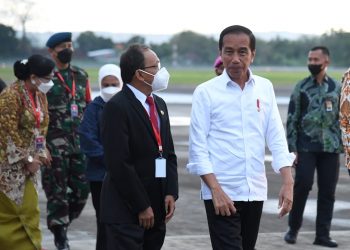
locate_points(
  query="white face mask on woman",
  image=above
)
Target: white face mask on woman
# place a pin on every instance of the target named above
(44, 87)
(109, 92)
(160, 80)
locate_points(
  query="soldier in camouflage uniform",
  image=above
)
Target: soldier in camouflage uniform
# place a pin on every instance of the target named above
(313, 133)
(64, 183)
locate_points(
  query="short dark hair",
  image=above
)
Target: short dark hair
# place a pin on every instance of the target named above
(131, 60)
(237, 29)
(324, 50)
(35, 64)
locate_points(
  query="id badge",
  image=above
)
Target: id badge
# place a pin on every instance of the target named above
(329, 106)
(160, 168)
(39, 142)
(74, 110)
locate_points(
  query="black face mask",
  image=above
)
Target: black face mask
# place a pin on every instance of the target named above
(65, 56)
(315, 69)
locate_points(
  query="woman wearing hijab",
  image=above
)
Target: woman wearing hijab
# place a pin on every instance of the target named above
(110, 83)
(23, 126)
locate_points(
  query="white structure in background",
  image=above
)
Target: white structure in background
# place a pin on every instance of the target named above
(104, 55)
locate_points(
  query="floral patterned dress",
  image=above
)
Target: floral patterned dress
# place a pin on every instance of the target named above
(344, 116)
(19, 210)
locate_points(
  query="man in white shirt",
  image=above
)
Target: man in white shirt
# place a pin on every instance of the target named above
(233, 115)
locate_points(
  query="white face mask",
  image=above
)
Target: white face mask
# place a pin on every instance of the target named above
(109, 92)
(45, 87)
(160, 80)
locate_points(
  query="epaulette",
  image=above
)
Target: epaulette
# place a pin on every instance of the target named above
(79, 70)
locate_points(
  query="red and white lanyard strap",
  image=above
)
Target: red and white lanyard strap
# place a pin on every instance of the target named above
(36, 108)
(156, 133)
(158, 138)
(65, 85)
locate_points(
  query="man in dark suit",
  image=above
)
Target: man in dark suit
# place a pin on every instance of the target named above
(141, 184)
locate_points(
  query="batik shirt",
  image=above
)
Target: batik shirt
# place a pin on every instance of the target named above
(313, 117)
(17, 138)
(344, 116)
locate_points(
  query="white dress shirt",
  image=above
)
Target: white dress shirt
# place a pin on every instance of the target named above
(142, 98)
(228, 131)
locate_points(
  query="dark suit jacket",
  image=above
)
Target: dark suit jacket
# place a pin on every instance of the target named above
(130, 148)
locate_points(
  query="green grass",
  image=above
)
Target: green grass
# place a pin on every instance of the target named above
(6, 74)
(288, 76)
(291, 77)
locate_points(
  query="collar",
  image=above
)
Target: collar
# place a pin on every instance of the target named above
(69, 68)
(227, 81)
(138, 94)
(324, 80)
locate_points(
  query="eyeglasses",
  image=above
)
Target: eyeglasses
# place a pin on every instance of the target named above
(153, 66)
(146, 72)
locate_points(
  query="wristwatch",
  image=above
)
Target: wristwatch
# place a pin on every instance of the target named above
(30, 159)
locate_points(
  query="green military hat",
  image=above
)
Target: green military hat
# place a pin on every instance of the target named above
(58, 38)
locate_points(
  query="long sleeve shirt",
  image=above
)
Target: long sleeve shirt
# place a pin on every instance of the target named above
(313, 114)
(344, 116)
(17, 138)
(90, 140)
(229, 130)
(63, 136)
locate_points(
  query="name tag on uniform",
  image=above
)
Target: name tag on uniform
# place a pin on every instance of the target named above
(160, 168)
(329, 106)
(39, 142)
(74, 110)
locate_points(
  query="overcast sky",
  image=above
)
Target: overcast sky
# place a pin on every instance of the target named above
(173, 16)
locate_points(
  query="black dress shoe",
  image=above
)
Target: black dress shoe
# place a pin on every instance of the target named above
(291, 236)
(60, 235)
(326, 242)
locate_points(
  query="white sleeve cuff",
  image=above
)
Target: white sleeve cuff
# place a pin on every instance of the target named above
(199, 168)
(283, 160)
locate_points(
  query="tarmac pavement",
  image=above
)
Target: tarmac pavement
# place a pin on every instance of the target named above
(188, 229)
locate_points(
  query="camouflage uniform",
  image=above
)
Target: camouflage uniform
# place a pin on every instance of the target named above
(64, 183)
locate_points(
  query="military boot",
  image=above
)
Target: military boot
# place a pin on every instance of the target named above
(60, 234)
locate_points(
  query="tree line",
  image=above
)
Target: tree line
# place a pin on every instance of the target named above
(188, 48)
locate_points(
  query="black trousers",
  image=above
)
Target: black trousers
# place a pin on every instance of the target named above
(134, 237)
(238, 231)
(327, 167)
(95, 189)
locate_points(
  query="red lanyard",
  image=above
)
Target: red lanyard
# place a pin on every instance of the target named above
(36, 108)
(158, 138)
(157, 135)
(72, 91)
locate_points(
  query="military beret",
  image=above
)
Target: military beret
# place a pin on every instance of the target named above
(58, 38)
